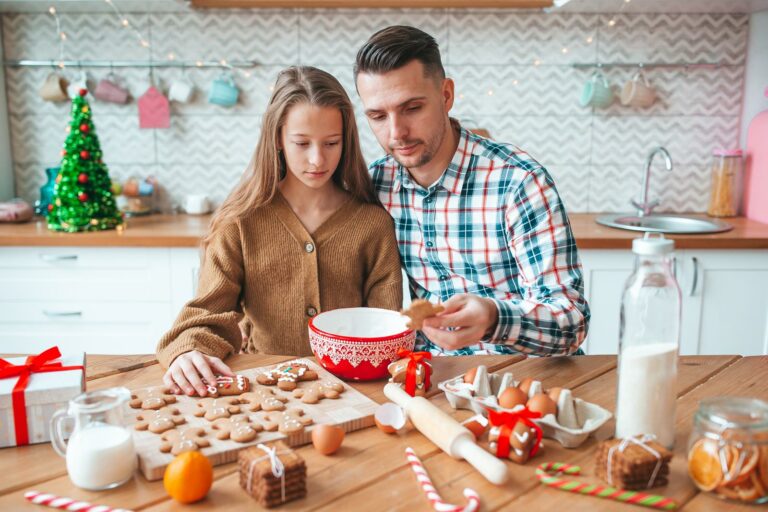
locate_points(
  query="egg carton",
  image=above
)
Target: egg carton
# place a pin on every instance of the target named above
(576, 419)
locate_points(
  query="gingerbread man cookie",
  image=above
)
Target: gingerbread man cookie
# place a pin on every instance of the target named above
(319, 390)
(228, 386)
(418, 311)
(286, 375)
(237, 428)
(263, 399)
(153, 398)
(288, 422)
(215, 408)
(187, 440)
(521, 442)
(160, 420)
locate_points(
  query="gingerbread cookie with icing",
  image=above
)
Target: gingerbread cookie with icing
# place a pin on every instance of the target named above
(286, 375)
(228, 386)
(151, 399)
(187, 440)
(237, 428)
(215, 408)
(160, 420)
(263, 399)
(521, 442)
(319, 390)
(287, 422)
(418, 311)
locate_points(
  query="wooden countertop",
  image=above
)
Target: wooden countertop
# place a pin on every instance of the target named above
(370, 470)
(186, 231)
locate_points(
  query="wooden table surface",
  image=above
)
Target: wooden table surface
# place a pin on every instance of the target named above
(370, 471)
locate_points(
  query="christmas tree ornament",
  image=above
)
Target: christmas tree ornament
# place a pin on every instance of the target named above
(83, 200)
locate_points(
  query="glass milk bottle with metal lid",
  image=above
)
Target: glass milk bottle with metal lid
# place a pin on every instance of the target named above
(649, 340)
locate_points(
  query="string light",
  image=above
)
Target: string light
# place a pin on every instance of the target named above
(564, 50)
(515, 82)
(127, 24)
(62, 36)
(589, 40)
(536, 62)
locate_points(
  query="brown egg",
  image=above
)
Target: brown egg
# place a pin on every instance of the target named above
(327, 438)
(512, 397)
(543, 404)
(389, 418)
(469, 377)
(554, 394)
(525, 385)
(475, 427)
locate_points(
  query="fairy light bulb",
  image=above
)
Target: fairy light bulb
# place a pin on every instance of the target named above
(199, 63)
(515, 82)
(171, 56)
(63, 36)
(124, 22)
(52, 11)
(589, 40)
(611, 22)
(537, 62)
(144, 43)
(564, 50)
(490, 92)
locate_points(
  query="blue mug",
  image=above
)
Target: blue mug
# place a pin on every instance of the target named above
(223, 92)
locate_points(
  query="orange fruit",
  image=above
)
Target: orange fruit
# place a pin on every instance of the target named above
(188, 477)
(742, 465)
(704, 464)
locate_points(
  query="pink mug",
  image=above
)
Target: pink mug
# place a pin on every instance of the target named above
(108, 90)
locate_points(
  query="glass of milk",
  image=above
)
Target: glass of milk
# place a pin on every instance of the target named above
(100, 453)
(649, 339)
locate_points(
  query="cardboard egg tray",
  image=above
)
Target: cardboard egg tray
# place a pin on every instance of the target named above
(575, 420)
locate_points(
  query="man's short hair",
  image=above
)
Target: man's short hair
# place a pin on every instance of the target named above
(394, 47)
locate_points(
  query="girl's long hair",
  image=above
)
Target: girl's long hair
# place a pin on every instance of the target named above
(258, 184)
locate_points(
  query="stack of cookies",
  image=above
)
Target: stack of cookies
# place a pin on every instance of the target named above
(272, 482)
(633, 463)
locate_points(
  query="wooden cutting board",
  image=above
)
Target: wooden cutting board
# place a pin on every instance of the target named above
(351, 411)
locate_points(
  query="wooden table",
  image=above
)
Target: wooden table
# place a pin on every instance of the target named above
(370, 472)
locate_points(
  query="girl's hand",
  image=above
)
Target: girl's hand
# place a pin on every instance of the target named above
(187, 372)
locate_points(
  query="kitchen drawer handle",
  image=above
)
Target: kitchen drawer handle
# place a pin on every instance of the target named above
(59, 314)
(58, 257)
(695, 282)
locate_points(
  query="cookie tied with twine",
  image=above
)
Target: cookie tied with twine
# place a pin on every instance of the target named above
(273, 474)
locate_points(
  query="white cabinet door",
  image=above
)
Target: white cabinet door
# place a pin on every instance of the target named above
(725, 301)
(605, 272)
(185, 272)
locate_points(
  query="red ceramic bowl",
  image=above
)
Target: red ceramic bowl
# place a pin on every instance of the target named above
(359, 343)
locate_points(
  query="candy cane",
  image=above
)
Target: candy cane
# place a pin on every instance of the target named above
(62, 503)
(544, 474)
(426, 485)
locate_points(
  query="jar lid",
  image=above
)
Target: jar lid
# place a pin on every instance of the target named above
(652, 244)
(733, 412)
(727, 152)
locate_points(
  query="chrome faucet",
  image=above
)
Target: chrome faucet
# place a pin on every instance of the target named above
(644, 208)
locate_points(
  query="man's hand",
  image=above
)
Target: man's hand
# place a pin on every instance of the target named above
(188, 371)
(470, 317)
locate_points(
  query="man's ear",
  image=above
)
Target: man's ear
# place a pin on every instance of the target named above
(447, 92)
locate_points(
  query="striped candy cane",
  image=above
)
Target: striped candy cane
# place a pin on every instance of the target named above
(545, 476)
(62, 503)
(426, 485)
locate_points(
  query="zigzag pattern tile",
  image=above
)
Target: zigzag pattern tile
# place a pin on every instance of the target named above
(215, 181)
(685, 189)
(613, 187)
(517, 90)
(39, 138)
(89, 36)
(674, 38)
(327, 37)
(267, 36)
(690, 140)
(550, 140)
(573, 184)
(211, 139)
(508, 37)
(28, 178)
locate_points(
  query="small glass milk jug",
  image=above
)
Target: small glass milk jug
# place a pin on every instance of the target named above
(649, 341)
(100, 452)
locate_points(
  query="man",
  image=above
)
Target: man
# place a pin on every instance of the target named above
(480, 225)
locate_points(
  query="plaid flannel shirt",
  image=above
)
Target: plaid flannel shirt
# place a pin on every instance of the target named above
(493, 225)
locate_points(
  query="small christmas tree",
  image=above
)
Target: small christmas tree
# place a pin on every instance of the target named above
(82, 196)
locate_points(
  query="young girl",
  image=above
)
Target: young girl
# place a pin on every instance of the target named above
(301, 233)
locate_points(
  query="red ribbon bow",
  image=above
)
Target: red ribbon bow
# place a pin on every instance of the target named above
(507, 422)
(415, 359)
(40, 363)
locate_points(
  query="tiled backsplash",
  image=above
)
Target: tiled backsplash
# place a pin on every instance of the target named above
(596, 156)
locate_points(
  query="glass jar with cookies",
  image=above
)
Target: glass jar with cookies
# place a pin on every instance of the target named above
(728, 449)
(726, 183)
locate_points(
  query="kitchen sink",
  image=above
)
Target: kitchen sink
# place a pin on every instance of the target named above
(661, 223)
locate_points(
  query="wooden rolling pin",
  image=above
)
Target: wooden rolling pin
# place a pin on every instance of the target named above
(448, 434)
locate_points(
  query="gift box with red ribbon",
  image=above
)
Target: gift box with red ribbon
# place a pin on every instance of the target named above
(32, 389)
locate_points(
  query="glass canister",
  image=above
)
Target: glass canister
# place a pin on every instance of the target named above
(728, 448)
(726, 183)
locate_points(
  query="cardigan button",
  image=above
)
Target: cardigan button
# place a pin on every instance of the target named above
(311, 311)
(309, 247)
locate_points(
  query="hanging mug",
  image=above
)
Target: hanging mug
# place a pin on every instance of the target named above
(181, 90)
(81, 83)
(597, 92)
(638, 92)
(54, 88)
(223, 91)
(109, 90)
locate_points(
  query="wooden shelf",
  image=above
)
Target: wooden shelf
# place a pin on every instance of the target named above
(378, 4)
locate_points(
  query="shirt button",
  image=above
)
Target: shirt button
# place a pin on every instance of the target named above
(504, 338)
(309, 247)
(428, 200)
(311, 311)
(429, 244)
(443, 277)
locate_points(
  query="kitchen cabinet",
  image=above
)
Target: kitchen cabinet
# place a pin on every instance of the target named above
(724, 292)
